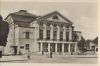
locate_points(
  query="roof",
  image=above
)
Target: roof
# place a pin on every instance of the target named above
(22, 16)
(47, 15)
(24, 13)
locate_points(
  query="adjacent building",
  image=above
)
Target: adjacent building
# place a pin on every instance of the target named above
(50, 32)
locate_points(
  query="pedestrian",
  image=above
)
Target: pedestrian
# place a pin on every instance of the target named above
(71, 51)
(51, 54)
(42, 53)
(28, 54)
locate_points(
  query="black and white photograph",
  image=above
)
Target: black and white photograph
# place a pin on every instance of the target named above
(49, 31)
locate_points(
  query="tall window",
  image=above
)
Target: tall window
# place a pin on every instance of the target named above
(27, 46)
(27, 35)
(41, 34)
(54, 35)
(67, 36)
(55, 25)
(61, 26)
(48, 34)
(48, 24)
(41, 23)
(61, 35)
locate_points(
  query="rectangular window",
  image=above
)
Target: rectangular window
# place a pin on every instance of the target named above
(61, 35)
(27, 46)
(41, 34)
(48, 34)
(22, 47)
(48, 24)
(67, 36)
(54, 35)
(41, 23)
(27, 35)
(55, 25)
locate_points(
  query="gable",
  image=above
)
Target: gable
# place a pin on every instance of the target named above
(55, 16)
(9, 19)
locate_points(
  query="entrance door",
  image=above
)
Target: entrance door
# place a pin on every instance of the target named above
(59, 48)
(45, 47)
(66, 47)
(52, 47)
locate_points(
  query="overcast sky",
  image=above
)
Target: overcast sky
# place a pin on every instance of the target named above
(82, 14)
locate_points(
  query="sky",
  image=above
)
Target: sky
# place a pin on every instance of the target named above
(82, 14)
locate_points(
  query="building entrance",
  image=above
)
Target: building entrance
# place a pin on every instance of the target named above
(52, 47)
(59, 48)
(45, 47)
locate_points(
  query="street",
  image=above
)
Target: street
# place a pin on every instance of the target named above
(81, 59)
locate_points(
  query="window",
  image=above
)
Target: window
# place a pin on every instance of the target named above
(27, 35)
(55, 25)
(55, 17)
(61, 35)
(22, 47)
(48, 34)
(27, 46)
(48, 24)
(67, 36)
(67, 26)
(61, 26)
(41, 23)
(41, 34)
(54, 35)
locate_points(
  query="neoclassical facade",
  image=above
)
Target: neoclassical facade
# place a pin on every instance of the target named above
(51, 32)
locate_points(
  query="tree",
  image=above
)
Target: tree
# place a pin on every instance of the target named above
(81, 45)
(87, 43)
(4, 29)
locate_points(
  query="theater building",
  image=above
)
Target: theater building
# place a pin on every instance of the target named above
(50, 32)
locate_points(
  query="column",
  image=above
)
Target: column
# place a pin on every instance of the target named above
(69, 48)
(70, 33)
(51, 32)
(64, 34)
(58, 32)
(41, 49)
(56, 47)
(49, 47)
(75, 47)
(44, 31)
(62, 47)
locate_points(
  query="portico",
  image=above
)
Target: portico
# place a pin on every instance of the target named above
(57, 47)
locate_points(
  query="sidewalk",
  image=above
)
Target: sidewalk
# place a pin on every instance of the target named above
(13, 58)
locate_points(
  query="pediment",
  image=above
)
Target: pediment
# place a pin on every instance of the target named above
(55, 16)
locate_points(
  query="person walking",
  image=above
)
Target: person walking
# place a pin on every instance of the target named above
(28, 54)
